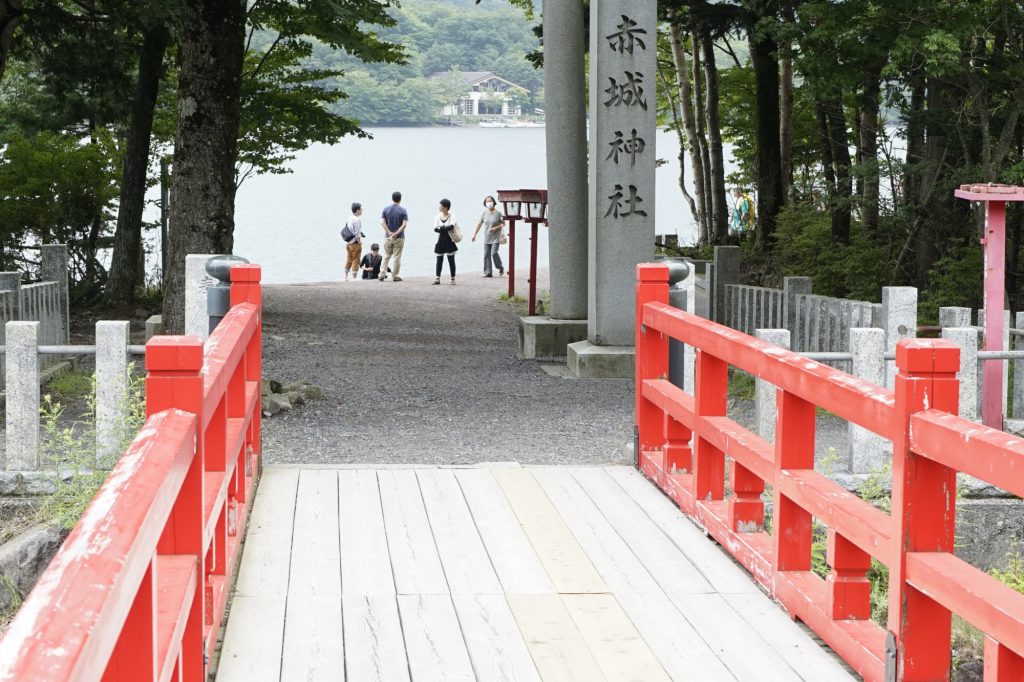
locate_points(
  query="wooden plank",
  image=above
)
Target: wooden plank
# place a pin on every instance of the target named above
(433, 638)
(617, 646)
(554, 641)
(313, 640)
(613, 559)
(251, 651)
(374, 644)
(739, 646)
(463, 557)
(516, 563)
(804, 655)
(677, 645)
(725, 576)
(365, 561)
(268, 542)
(496, 647)
(414, 558)
(565, 562)
(665, 561)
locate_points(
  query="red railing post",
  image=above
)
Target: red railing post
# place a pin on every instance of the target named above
(678, 455)
(136, 646)
(923, 507)
(175, 380)
(651, 356)
(849, 591)
(746, 510)
(794, 449)
(710, 389)
(246, 287)
(1002, 664)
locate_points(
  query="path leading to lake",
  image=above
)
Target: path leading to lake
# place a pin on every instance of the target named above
(415, 373)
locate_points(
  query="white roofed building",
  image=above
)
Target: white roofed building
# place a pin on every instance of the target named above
(487, 94)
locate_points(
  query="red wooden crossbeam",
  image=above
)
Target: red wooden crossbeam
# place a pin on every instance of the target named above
(139, 589)
(685, 441)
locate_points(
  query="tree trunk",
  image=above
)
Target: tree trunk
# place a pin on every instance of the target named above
(719, 208)
(828, 164)
(868, 150)
(202, 215)
(770, 198)
(10, 16)
(686, 104)
(702, 138)
(915, 138)
(842, 199)
(125, 269)
(786, 124)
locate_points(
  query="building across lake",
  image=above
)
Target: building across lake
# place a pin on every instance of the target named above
(481, 93)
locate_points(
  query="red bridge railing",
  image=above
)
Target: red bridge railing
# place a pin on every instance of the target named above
(927, 582)
(139, 588)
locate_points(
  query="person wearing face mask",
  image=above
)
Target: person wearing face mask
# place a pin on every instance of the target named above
(493, 223)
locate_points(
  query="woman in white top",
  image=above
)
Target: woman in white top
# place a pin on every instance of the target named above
(444, 224)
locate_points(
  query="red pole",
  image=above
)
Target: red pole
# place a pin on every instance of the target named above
(511, 257)
(995, 266)
(533, 267)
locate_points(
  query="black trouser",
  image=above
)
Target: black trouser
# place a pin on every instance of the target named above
(451, 264)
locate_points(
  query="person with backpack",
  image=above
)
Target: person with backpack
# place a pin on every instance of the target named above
(742, 214)
(353, 235)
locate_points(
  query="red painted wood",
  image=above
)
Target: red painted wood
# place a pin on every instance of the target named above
(924, 508)
(178, 576)
(794, 449)
(710, 386)
(1002, 664)
(652, 356)
(849, 592)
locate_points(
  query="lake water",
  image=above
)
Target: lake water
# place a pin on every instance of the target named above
(290, 223)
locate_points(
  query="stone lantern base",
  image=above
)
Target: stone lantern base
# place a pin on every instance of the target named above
(589, 361)
(542, 338)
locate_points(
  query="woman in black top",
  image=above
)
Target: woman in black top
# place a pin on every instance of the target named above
(444, 224)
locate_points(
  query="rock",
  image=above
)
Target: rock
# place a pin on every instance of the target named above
(275, 386)
(295, 398)
(311, 392)
(24, 558)
(276, 403)
(971, 671)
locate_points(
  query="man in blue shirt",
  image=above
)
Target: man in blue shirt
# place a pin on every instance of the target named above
(394, 220)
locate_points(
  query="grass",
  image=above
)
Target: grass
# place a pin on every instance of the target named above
(71, 384)
(505, 298)
(741, 385)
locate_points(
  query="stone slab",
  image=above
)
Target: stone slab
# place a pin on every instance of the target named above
(543, 338)
(197, 319)
(23, 559)
(590, 361)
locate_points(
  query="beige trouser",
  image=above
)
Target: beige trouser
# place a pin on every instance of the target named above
(393, 256)
(353, 252)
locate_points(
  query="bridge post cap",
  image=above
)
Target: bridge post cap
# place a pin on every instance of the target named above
(927, 356)
(174, 353)
(219, 267)
(652, 272)
(246, 272)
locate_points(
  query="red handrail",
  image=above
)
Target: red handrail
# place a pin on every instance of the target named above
(138, 590)
(685, 440)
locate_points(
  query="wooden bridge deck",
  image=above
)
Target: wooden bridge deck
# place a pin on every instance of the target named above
(487, 573)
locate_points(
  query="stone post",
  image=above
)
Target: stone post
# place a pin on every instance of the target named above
(953, 316)
(1018, 371)
(727, 271)
(764, 393)
(197, 319)
(154, 326)
(867, 450)
(54, 268)
(566, 123)
(967, 339)
(111, 390)
(791, 287)
(899, 320)
(689, 354)
(22, 396)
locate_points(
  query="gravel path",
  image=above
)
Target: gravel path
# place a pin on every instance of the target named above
(414, 373)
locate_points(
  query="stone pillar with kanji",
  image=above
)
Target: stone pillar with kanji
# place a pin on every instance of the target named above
(623, 51)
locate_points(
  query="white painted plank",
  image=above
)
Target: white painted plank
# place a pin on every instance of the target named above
(463, 557)
(414, 559)
(433, 639)
(565, 562)
(669, 566)
(554, 641)
(617, 646)
(613, 559)
(714, 564)
(678, 647)
(268, 541)
(314, 645)
(316, 564)
(516, 563)
(739, 646)
(251, 651)
(496, 647)
(374, 644)
(801, 652)
(365, 561)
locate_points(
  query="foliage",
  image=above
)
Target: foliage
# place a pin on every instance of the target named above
(71, 384)
(953, 280)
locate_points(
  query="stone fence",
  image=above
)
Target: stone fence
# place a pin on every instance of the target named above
(25, 346)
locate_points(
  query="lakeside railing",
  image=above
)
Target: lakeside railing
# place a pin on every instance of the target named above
(139, 588)
(684, 442)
